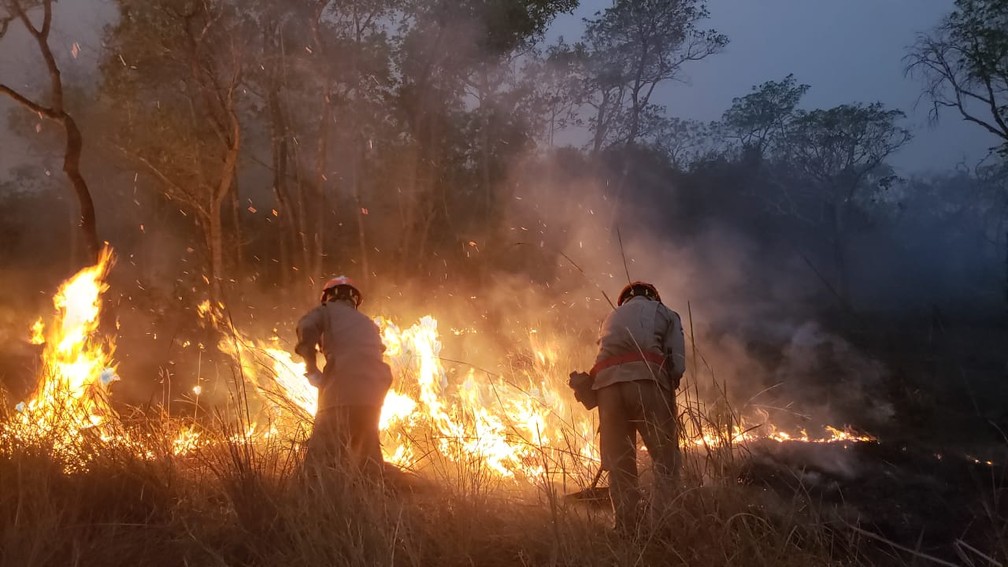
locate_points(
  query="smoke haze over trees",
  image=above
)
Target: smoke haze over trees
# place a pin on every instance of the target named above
(241, 149)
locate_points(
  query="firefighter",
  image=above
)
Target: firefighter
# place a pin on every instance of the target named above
(352, 384)
(641, 358)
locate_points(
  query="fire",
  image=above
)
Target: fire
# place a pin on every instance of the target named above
(752, 430)
(484, 423)
(77, 367)
(481, 421)
(290, 377)
(519, 425)
(513, 428)
(397, 408)
(187, 441)
(38, 333)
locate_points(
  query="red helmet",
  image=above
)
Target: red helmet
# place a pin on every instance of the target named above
(634, 289)
(342, 287)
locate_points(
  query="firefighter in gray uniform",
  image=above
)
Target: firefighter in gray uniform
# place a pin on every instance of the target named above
(352, 384)
(641, 358)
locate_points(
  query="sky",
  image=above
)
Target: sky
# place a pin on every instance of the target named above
(848, 51)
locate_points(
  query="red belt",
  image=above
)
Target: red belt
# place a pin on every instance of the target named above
(652, 357)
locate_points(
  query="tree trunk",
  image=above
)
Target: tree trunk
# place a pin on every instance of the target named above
(71, 166)
(224, 187)
(485, 168)
(408, 207)
(840, 252)
(239, 257)
(57, 112)
(215, 246)
(278, 148)
(355, 181)
(322, 155)
(485, 143)
(409, 199)
(319, 205)
(600, 127)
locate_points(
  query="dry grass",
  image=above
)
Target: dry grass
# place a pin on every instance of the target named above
(236, 502)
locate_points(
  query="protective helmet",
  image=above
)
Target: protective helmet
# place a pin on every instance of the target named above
(634, 289)
(341, 287)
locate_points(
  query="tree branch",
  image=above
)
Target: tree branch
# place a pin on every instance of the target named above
(995, 111)
(30, 104)
(46, 20)
(5, 23)
(163, 178)
(23, 16)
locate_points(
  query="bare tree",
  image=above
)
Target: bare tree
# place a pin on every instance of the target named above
(633, 47)
(760, 120)
(55, 110)
(964, 65)
(838, 150)
(174, 70)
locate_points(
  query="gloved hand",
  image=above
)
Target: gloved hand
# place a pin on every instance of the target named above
(314, 378)
(581, 383)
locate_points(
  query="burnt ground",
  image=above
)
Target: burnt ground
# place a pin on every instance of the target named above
(914, 496)
(898, 501)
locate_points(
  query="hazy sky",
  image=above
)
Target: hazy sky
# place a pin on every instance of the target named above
(848, 50)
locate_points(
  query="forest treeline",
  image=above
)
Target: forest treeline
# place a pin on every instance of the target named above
(277, 142)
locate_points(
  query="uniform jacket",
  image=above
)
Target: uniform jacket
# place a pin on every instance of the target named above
(354, 372)
(641, 325)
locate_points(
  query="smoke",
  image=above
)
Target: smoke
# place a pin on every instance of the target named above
(935, 243)
(570, 232)
(752, 327)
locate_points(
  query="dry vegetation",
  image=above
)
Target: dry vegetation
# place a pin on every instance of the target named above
(236, 502)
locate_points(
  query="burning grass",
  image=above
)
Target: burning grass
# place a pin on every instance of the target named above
(485, 461)
(246, 502)
(239, 498)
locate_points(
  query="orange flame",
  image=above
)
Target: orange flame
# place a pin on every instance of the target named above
(516, 426)
(38, 332)
(77, 368)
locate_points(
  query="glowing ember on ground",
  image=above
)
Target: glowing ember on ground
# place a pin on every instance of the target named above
(188, 440)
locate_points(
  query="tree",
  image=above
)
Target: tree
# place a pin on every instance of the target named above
(964, 63)
(633, 47)
(55, 110)
(682, 142)
(277, 42)
(351, 58)
(838, 150)
(173, 71)
(504, 30)
(461, 106)
(760, 120)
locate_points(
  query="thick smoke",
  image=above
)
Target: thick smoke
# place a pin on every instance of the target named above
(750, 324)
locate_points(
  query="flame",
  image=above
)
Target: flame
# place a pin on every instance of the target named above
(397, 408)
(38, 332)
(186, 442)
(71, 397)
(749, 431)
(508, 430)
(290, 377)
(519, 425)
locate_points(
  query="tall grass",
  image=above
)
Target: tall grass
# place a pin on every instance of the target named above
(245, 500)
